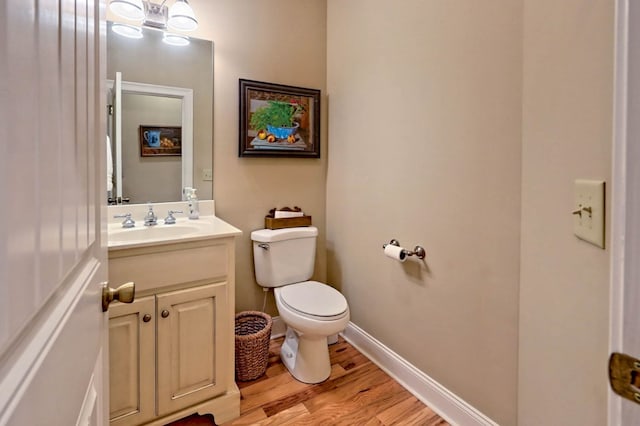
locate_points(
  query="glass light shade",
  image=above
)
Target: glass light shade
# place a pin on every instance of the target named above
(175, 39)
(181, 17)
(129, 9)
(127, 30)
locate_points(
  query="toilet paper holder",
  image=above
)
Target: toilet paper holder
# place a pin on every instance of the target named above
(417, 251)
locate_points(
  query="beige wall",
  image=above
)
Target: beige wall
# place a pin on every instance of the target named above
(279, 41)
(424, 147)
(459, 126)
(564, 290)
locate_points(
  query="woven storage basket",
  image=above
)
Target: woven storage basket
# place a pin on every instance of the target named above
(253, 332)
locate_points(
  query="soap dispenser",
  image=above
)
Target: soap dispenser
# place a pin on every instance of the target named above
(194, 206)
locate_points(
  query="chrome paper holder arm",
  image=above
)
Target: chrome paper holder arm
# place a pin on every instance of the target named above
(418, 251)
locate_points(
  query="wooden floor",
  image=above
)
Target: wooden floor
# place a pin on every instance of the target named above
(356, 393)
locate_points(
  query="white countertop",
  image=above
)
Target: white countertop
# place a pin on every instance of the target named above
(206, 227)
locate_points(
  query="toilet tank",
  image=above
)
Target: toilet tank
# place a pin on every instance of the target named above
(284, 256)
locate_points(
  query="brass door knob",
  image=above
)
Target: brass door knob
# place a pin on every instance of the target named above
(125, 294)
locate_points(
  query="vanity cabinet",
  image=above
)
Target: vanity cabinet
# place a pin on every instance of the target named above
(188, 340)
(132, 351)
(171, 350)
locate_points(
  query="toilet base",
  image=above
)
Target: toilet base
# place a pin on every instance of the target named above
(306, 358)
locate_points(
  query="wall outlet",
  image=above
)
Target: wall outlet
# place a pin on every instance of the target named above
(588, 211)
(207, 174)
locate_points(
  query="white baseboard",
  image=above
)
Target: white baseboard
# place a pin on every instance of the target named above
(448, 405)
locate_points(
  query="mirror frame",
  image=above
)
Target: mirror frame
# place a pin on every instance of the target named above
(186, 95)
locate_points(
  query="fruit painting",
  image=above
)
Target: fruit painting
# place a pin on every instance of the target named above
(278, 120)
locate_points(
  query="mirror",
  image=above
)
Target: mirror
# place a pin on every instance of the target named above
(166, 90)
(160, 163)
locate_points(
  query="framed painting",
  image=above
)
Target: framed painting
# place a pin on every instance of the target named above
(160, 141)
(278, 120)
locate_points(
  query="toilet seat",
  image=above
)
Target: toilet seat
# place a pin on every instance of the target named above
(314, 299)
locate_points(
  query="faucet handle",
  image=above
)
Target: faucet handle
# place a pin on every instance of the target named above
(127, 222)
(150, 219)
(170, 220)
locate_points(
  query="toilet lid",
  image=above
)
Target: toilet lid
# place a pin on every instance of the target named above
(314, 298)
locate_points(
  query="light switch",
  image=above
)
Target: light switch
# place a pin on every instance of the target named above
(588, 211)
(207, 174)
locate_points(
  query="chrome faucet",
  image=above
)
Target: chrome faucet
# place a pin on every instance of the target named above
(170, 219)
(127, 222)
(150, 218)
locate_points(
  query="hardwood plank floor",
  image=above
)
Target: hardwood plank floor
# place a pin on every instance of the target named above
(356, 393)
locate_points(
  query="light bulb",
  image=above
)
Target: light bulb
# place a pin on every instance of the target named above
(175, 39)
(129, 9)
(181, 17)
(127, 30)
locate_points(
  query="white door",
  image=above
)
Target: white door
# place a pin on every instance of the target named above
(53, 192)
(117, 133)
(625, 241)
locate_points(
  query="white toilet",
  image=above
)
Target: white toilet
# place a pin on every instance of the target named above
(312, 311)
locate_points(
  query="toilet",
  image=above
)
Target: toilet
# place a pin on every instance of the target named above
(284, 259)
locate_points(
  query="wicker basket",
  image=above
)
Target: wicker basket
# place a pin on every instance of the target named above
(253, 332)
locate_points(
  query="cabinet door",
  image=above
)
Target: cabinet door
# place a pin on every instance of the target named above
(132, 362)
(191, 337)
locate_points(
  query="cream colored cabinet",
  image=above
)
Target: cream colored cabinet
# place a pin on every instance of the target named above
(171, 351)
(132, 370)
(189, 344)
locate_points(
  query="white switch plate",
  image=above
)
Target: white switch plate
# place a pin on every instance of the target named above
(589, 225)
(207, 174)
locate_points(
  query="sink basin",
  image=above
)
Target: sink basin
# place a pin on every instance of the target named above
(153, 233)
(208, 226)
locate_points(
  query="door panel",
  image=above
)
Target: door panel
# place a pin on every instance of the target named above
(625, 223)
(53, 246)
(91, 405)
(117, 132)
(189, 346)
(631, 294)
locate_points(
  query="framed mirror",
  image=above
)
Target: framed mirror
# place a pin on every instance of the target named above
(164, 87)
(156, 157)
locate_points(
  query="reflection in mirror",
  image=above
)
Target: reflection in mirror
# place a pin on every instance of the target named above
(152, 136)
(155, 176)
(150, 61)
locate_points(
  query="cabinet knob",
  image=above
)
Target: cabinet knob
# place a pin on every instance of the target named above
(164, 313)
(146, 318)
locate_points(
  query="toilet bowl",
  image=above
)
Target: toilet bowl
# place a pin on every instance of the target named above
(311, 310)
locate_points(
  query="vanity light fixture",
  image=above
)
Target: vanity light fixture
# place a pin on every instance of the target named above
(181, 17)
(175, 39)
(129, 31)
(129, 9)
(178, 17)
